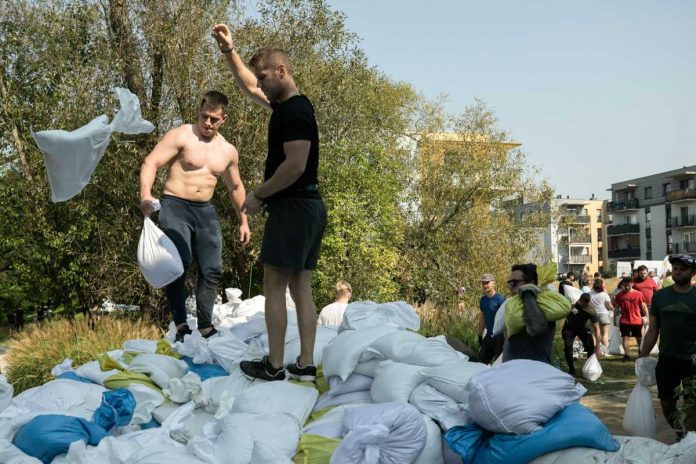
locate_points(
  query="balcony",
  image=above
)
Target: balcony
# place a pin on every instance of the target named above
(580, 238)
(623, 229)
(578, 259)
(619, 206)
(681, 195)
(683, 221)
(684, 247)
(625, 253)
(577, 219)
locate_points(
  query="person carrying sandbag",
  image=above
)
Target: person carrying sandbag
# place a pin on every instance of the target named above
(575, 326)
(673, 319)
(196, 154)
(536, 339)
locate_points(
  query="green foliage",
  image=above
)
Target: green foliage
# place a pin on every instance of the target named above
(33, 352)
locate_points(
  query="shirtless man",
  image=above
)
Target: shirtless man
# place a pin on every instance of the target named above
(196, 155)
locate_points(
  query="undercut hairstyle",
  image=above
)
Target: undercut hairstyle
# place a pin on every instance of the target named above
(626, 281)
(213, 100)
(642, 267)
(343, 288)
(598, 285)
(529, 272)
(268, 57)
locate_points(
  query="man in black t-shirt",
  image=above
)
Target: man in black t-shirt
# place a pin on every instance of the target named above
(576, 326)
(296, 213)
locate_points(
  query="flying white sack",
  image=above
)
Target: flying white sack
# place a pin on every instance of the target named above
(572, 293)
(592, 370)
(71, 157)
(158, 258)
(639, 417)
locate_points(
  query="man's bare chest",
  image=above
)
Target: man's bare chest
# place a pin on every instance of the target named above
(198, 157)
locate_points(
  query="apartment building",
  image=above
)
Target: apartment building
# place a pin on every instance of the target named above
(653, 216)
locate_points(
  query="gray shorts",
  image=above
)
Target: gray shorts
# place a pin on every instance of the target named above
(605, 318)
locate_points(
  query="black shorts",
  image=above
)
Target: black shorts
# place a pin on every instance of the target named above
(631, 330)
(670, 373)
(292, 237)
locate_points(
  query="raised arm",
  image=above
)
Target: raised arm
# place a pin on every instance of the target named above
(165, 151)
(246, 80)
(237, 193)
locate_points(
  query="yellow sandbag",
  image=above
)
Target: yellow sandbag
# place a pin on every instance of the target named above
(315, 449)
(552, 305)
(124, 377)
(163, 347)
(322, 383)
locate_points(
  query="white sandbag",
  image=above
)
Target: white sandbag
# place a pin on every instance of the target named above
(240, 431)
(159, 367)
(451, 378)
(386, 433)
(615, 346)
(330, 425)
(440, 407)
(185, 389)
(367, 368)
(363, 314)
(226, 388)
(323, 337)
(432, 452)
(72, 157)
(264, 454)
(82, 399)
(540, 391)
(146, 400)
(592, 370)
(10, 454)
(6, 392)
(411, 348)
(61, 368)
(277, 397)
(572, 293)
(639, 416)
(449, 456)
(195, 347)
(498, 361)
(342, 354)
(140, 346)
(247, 330)
(330, 401)
(645, 371)
(158, 257)
(499, 321)
(193, 425)
(92, 371)
(162, 412)
(250, 307)
(395, 381)
(355, 382)
(234, 295)
(227, 350)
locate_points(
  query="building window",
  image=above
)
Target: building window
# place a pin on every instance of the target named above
(666, 188)
(648, 193)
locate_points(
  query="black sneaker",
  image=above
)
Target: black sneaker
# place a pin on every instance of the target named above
(211, 333)
(262, 369)
(181, 332)
(303, 374)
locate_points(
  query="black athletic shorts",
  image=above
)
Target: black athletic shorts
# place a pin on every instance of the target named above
(670, 373)
(292, 237)
(631, 330)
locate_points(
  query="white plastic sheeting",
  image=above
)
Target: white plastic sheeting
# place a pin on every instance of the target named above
(72, 157)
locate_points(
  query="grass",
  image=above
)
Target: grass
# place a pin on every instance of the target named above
(461, 323)
(33, 352)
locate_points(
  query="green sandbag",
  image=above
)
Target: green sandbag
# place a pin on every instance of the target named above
(163, 347)
(552, 305)
(124, 377)
(315, 449)
(322, 383)
(546, 274)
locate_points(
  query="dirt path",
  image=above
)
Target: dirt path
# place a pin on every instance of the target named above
(610, 407)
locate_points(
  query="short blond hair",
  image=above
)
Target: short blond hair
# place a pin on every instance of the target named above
(269, 57)
(342, 288)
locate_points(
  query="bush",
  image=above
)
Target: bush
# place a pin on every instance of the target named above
(461, 323)
(32, 353)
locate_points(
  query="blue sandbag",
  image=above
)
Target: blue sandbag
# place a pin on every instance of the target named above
(45, 437)
(205, 371)
(70, 375)
(573, 426)
(116, 409)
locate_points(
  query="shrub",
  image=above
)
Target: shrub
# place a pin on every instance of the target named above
(460, 322)
(32, 353)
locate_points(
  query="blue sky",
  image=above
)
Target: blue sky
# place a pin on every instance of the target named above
(597, 92)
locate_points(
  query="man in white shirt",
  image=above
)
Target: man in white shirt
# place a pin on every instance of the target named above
(332, 315)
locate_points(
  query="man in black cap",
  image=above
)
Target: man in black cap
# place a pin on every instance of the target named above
(673, 318)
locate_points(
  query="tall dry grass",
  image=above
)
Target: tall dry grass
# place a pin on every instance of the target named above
(460, 322)
(32, 353)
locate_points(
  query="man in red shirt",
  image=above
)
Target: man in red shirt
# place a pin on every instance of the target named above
(633, 309)
(645, 284)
